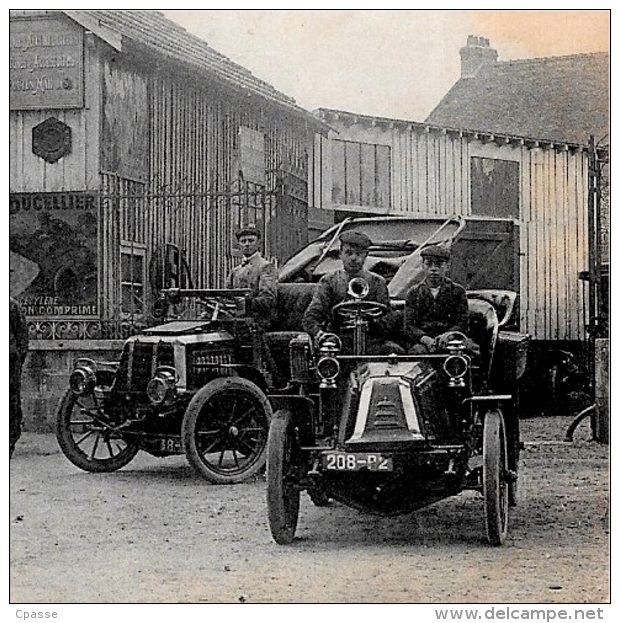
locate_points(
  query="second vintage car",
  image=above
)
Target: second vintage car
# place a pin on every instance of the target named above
(193, 387)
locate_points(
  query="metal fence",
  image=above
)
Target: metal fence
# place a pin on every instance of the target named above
(154, 238)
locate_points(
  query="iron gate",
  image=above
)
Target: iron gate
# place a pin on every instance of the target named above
(152, 238)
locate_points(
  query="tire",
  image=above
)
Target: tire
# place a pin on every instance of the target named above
(224, 431)
(282, 475)
(494, 485)
(88, 444)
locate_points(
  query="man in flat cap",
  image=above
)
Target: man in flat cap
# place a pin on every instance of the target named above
(255, 273)
(436, 305)
(332, 289)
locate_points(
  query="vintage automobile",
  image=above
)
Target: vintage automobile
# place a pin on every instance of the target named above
(187, 386)
(389, 434)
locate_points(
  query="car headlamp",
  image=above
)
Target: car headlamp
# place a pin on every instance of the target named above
(162, 387)
(327, 369)
(83, 379)
(456, 367)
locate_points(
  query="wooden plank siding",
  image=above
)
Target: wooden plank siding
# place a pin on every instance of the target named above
(191, 161)
(28, 172)
(431, 174)
(77, 171)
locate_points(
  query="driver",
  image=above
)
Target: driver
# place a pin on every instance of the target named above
(255, 273)
(319, 317)
(436, 306)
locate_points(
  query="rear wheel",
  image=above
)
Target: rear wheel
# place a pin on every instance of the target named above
(85, 439)
(494, 481)
(224, 431)
(283, 463)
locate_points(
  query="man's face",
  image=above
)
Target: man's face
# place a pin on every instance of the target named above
(435, 270)
(248, 244)
(353, 258)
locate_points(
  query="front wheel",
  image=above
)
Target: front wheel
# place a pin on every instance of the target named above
(282, 479)
(494, 477)
(224, 431)
(84, 437)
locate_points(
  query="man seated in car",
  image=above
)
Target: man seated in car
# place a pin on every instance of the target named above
(436, 306)
(257, 274)
(320, 318)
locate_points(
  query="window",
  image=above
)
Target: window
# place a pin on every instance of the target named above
(252, 155)
(133, 277)
(361, 174)
(494, 188)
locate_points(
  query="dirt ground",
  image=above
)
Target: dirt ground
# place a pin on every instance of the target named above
(155, 532)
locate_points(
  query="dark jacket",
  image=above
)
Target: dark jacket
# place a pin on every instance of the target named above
(18, 333)
(332, 289)
(426, 315)
(260, 276)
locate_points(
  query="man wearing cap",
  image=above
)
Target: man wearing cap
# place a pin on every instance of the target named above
(332, 289)
(255, 273)
(436, 305)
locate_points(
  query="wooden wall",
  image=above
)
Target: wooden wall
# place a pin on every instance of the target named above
(431, 174)
(160, 145)
(77, 171)
(192, 157)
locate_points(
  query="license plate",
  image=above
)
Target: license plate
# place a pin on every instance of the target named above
(355, 461)
(170, 444)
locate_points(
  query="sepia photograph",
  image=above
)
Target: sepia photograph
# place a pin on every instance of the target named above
(309, 306)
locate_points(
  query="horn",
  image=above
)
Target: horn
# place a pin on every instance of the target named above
(358, 288)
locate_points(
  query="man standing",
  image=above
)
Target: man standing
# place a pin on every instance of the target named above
(257, 274)
(319, 318)
(18, 348)
(436, 305)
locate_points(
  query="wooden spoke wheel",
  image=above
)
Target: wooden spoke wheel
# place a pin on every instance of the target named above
(87, 438)
(224, 430)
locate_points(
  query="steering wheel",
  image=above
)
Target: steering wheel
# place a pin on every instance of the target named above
(216, 308)
(367, 310)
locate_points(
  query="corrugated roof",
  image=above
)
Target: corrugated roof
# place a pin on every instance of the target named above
(562, 98)
(150, 28)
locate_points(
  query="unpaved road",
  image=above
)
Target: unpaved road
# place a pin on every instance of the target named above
(156, 533)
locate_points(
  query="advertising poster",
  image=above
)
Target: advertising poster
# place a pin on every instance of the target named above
(53, 254)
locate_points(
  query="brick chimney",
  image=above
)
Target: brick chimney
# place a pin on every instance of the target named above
(476, 53)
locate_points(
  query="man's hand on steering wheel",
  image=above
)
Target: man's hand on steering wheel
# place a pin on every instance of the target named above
(429, 342)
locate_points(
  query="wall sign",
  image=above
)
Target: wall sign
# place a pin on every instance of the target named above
(51, 140)
(53, 253)
(45, 64)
